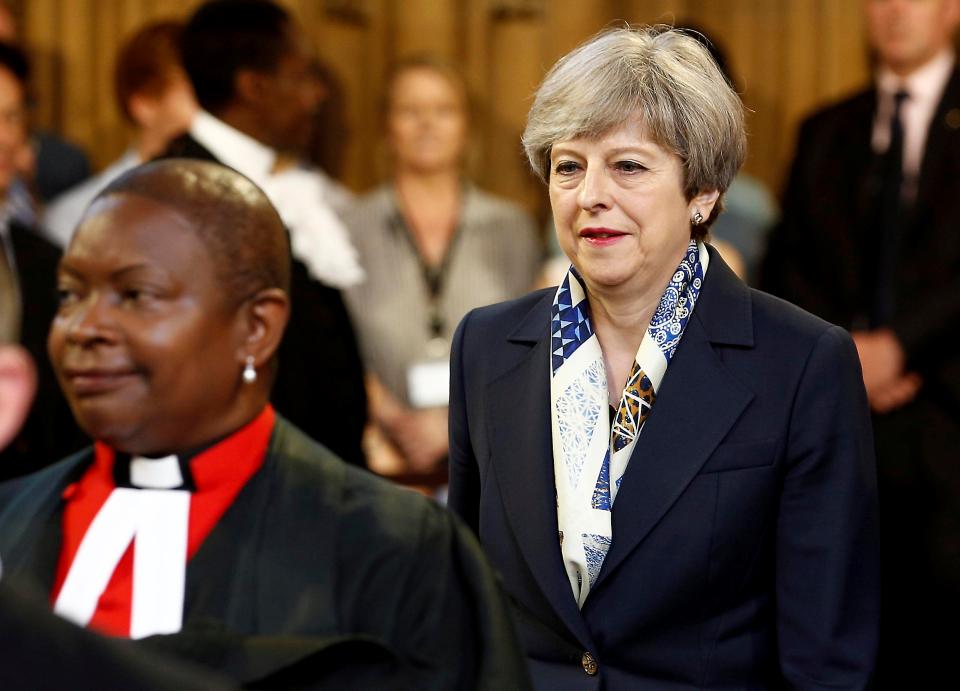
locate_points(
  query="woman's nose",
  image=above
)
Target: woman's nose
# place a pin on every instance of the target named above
(89, 320)
(594, 193)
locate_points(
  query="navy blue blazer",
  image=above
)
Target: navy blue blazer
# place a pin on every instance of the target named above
(745, 533)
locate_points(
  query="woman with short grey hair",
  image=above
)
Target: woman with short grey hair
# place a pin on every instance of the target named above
(673, 472)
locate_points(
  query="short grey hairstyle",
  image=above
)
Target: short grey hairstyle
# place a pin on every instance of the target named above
(660, 74)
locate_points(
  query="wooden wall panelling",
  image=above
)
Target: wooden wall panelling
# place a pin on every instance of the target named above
(758, 64)
(79, 76)
(515, 67)
(426, 26)
(845, 48)
(655, 11)
(40, 28)
(354, 46)
(109, 127)
(475, 65)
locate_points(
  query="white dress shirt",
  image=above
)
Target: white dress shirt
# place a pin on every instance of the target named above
(925, 89)
(317, 236)
(63, 214)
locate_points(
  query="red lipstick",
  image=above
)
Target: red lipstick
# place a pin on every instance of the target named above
(601, 237)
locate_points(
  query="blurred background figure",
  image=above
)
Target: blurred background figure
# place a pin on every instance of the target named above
(434, 246)
(750, 210)
(49, 163)
(326, 146)
(18, 386)
(250, 67)
(28, 265)
(869, 240)
(157, 102)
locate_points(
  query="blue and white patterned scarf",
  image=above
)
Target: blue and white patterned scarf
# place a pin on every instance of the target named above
(587, 453)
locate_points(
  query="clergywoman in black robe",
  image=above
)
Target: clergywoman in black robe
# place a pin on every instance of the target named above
(201, 522)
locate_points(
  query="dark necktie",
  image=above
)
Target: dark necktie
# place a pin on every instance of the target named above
(890, 220)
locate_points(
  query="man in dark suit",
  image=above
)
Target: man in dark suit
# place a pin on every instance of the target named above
(28, 265)
(249, 66)
(869, 240)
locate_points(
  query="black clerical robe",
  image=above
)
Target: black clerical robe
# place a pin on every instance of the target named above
(313, 556)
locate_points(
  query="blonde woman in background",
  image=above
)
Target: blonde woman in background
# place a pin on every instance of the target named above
(433, 246)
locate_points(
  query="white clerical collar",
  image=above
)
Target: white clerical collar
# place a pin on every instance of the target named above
(923, 84)
(233, 148)
(318, 237)
(155, 473)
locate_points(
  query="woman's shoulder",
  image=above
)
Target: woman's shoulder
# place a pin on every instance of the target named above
(789, 333)
(507, 316)
(772, 312)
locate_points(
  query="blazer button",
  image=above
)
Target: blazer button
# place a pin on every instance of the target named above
(589, 663)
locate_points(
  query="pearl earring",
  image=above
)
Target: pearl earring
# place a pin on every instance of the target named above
(249, 371)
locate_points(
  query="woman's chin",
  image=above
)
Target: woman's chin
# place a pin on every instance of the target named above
(608, 278)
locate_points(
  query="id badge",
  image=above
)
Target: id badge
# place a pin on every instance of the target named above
(428, 383)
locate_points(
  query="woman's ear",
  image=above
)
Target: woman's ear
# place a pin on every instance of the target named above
(704, 203)
(263, 320)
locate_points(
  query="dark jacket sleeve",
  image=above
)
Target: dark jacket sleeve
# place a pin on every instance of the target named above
(464, 494)
(791, 268)
(827, 558)
(319, 385)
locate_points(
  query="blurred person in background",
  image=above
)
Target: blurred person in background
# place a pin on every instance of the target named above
(156, 100)
(323, 154)
(869, 240)
(49, 163)
(18, 386)
(250, 66)
(434, 246)
(749, 209)
(28, 265)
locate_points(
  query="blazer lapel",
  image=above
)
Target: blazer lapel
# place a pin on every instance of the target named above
(698, 403)
(518, 407)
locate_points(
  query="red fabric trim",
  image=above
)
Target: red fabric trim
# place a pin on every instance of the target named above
(219, 473)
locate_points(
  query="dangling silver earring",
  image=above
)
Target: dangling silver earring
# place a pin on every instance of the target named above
(697, 218)
(249, 371)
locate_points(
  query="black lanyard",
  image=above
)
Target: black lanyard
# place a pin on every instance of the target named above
(434, 277)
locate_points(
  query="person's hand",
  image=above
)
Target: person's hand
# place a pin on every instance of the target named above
(18, 384)
(882, 359)
(421, 436)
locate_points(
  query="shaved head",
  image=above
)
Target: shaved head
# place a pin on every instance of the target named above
(244, 236)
